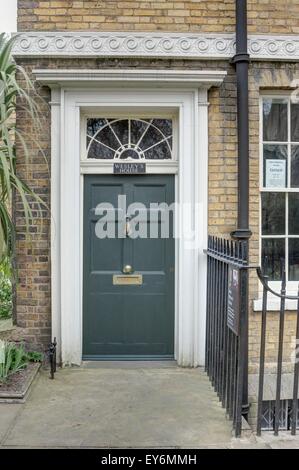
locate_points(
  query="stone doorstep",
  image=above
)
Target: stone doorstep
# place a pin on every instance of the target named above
(21, 395)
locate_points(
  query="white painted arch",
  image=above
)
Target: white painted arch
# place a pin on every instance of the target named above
(187, 96)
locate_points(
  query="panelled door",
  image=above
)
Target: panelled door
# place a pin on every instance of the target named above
(128, 275)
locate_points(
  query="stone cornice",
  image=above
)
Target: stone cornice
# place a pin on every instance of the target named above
(156, 44)
(204, 78)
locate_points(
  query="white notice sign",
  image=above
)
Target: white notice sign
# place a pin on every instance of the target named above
(275, 173)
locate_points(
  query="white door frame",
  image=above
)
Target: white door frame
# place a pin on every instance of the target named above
(189, 98)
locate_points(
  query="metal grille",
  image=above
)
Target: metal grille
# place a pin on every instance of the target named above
(285, 415)
(279, 410)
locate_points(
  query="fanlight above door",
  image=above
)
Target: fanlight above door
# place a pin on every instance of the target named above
(129, 139)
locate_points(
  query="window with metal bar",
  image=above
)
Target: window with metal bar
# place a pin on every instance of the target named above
(280, 188)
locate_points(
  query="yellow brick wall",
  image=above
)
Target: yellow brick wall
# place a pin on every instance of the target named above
(33, 248)
(33, 289)
(264, 16)
(33, 253)
(265, 76)
(223, 186)
(223, 177)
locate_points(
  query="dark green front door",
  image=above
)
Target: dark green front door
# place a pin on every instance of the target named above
(136, 320)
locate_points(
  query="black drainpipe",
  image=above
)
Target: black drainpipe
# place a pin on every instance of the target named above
(241, 62)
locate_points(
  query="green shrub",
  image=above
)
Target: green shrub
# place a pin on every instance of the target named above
(11, 92)
(34, 356)
(13, 358)
(5, 289)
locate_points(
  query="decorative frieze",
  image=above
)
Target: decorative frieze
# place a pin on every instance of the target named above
(170, 45)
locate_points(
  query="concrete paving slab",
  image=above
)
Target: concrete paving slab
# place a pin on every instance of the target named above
(8, 415)
(284, 445)
(250, 443)
(116, 407)
(126, 406)
(283, 441)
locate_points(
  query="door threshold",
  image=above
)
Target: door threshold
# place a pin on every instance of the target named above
(127, 357)
(115, 364)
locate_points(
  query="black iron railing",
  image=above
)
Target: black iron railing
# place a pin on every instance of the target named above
(227, 325)
(280, 340)
(227, 335)
(52, 357)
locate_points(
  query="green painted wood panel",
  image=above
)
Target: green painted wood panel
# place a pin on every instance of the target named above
(135, 321)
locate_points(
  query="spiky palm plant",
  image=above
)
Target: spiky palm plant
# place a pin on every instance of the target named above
(13, 358)
(10, 182)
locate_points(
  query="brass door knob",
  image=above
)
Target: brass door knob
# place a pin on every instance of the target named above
(127, 269)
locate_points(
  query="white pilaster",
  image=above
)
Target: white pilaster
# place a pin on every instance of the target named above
(55, 216)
